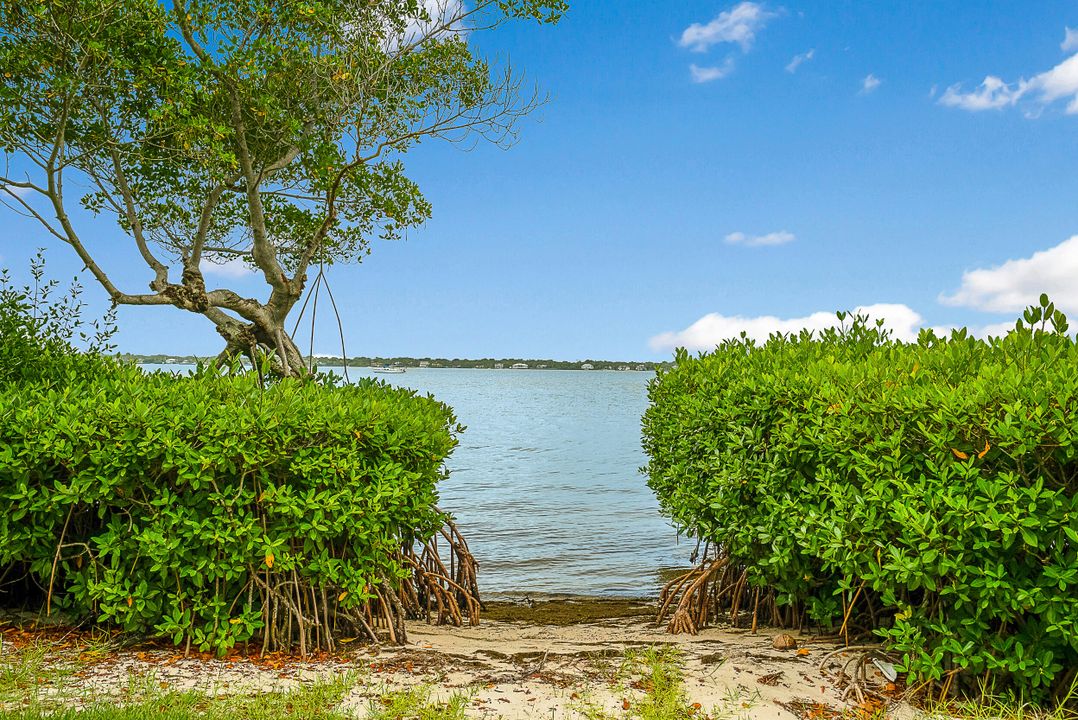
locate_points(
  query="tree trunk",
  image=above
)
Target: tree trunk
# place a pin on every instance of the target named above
(256, 342)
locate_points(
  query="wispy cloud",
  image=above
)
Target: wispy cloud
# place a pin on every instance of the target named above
(1070, 40)
(1016, 284)
(1043, 89)
(798, 60)
(869, 84)
(714, 72)
(19, 192)
(712, 329)
(774, 238)
(234, 268)
(737, 25)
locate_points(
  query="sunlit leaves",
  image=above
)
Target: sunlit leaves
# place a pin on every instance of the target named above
(325, 95)
(181, 491)
(949, 490)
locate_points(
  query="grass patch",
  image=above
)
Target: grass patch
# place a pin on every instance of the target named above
(1006, 707)
(415, 704)
(145, 701)
(660, 677)
(26, 672)
(656, 673)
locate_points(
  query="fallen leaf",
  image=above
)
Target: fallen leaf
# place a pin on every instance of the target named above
(624, 704)
(803, 651)
(984, 452)
(959, 454)
(269, 560)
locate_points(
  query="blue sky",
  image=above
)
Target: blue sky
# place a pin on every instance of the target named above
(689, 179)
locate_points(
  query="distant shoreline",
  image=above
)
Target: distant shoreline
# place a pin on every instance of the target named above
(409, 362)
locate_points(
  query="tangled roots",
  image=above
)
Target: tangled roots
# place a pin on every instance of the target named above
(300, 616)
(716, 587)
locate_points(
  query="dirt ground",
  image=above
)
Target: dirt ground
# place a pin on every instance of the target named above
(546, 660)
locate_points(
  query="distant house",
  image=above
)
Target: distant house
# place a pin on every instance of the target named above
(424, 363)
(641, 367)
(587, 366)
(623, 367)
(519, 366)
(498, 366)
(541, 367)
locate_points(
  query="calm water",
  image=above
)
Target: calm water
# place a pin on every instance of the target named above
(545, 483)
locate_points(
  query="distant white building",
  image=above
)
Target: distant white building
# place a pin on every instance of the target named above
(641, 367)
(498, 366)
(519, 366)
(587, 366)
(623, 367)
(424, 363)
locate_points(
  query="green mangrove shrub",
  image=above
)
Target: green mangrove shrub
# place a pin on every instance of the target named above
(926, 491)
(215, 510)
(209, 509)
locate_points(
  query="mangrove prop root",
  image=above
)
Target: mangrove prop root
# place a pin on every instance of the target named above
(852, 677)
(713, 588)
(300, 615)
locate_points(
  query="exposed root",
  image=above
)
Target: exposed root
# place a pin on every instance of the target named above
(714, 587)
(302, 617)
(438, 593)
(852, 676)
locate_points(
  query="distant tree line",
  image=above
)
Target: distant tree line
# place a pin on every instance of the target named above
(410, 362)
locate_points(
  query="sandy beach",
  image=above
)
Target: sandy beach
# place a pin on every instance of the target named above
(541, 662)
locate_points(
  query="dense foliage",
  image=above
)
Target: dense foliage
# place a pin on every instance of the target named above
(209, 508)
(927, 490)
(259, 134)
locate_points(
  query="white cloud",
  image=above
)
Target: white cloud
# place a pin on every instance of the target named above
(707, 74)
(991, 94)
(1058, 83)
(738, 25)
(1070, 40)
(1016, 284)
(870, 83)
(994, 330)
(234, 268)
(774, 238)
(791, 67)
(712, 329)
(433, 19)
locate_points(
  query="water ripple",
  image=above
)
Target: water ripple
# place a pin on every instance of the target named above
(545, 483)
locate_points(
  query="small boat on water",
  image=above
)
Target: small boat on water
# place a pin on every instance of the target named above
(387, 369)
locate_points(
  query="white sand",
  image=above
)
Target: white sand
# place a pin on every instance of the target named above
(512, 670)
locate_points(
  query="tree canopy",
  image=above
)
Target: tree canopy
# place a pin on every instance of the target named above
(268, 133)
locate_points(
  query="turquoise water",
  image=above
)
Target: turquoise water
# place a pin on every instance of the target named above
(545, 483)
